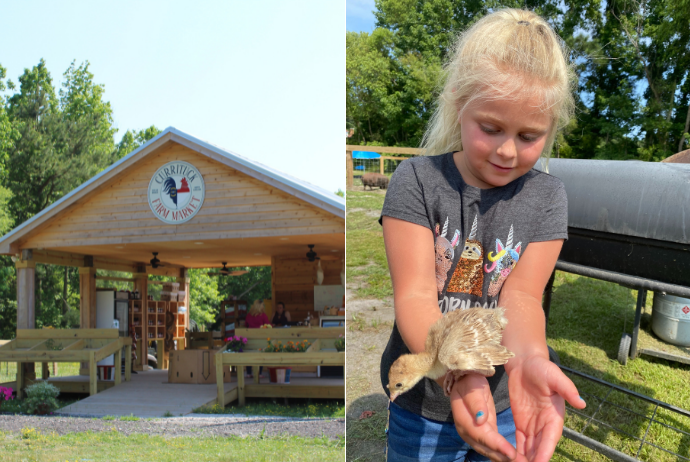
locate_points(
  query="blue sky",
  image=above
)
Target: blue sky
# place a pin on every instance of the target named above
(263, 78)
(359, 15)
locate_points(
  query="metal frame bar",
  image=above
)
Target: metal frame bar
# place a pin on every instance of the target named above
(614, 454)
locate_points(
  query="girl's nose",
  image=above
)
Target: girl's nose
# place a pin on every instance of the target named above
(507, 150)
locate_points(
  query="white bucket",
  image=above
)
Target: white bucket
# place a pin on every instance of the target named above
(280, 376)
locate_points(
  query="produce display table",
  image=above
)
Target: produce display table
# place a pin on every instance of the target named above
(322, 352)
(68, 346)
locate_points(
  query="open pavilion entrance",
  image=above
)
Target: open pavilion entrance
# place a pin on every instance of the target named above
(251, 215)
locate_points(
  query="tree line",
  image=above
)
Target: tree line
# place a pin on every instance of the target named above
(632, 58)
(51, 141)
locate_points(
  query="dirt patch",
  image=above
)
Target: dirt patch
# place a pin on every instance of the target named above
(369, 326)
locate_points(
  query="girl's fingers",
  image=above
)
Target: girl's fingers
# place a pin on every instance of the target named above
(473, 393)
(565, 387)
(475, 418)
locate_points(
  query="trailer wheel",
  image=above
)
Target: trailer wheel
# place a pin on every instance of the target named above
(624, 349)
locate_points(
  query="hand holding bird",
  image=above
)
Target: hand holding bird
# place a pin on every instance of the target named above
(461, 342)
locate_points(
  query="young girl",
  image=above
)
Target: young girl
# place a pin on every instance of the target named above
(473, 224)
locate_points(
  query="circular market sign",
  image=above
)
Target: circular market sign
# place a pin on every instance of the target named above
(176, 192)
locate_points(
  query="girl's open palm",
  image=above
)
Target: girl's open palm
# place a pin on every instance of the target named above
(537, 391)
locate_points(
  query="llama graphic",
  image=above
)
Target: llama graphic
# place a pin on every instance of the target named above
(503, 261)
(468, 276)
(445, 252)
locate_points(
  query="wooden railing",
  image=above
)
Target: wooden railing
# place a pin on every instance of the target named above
(350, 171)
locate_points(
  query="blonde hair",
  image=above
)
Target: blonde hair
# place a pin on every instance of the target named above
(508, 54)
(257, 307)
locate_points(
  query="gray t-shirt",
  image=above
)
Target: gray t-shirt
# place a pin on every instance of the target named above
(479, 237)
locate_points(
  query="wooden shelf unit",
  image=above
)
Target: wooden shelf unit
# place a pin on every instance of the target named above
(137, 317)
(155, 312)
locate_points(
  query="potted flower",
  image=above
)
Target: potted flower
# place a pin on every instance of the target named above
(276, 373)
(235, 344)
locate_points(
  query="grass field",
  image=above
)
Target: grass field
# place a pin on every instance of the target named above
(32, 445)
(587, 319)
(8, 371)
(294, 408)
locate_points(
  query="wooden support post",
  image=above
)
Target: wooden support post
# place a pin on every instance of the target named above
(93, 376)
(118, 366)
(349, 169)
(128, 363)
(87, 302)
(26, 305)
(20, 380)
(219, 380)
(45, 372)
(256, 373)
(381, 160)
(240, 385)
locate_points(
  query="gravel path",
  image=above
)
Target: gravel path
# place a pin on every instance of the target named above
(191, 425)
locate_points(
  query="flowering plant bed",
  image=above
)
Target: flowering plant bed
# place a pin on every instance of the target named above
(235, 343)
(289, 347)
(286, 347)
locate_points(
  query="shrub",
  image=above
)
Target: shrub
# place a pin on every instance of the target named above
(41, 398)
(340, 343)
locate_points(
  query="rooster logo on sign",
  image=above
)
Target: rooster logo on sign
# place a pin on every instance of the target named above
(170, 188)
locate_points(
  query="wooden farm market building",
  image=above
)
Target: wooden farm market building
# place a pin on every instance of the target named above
(222, 208)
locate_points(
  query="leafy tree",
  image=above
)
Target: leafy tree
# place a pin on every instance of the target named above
(62, 142)
(132, 139)
(204, 299)
(632, 57)
(254, 284)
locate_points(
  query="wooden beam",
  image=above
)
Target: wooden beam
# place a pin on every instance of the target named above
(26, 296)
(220, 386)
(93, 375)
(113, 278)
(67, 333)
(118, 366)
(349, 169)
(240, 384)
(290, 390)
(87, 297)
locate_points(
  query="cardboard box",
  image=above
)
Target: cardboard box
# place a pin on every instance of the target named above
(194, 366)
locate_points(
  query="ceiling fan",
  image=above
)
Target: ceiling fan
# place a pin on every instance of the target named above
(155, 262)
(225, 271)
(312, 255)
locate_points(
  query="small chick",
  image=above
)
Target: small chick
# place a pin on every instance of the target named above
(461, 342)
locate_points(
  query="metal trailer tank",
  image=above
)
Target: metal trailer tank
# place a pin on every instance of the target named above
(629, 223)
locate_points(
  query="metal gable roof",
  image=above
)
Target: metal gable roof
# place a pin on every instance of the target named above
(289, 182)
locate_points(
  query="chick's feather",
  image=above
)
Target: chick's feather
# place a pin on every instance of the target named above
(461, 342)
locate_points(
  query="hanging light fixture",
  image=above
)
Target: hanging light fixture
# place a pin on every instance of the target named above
(319, 273)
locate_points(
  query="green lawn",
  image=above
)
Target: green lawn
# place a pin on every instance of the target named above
(587, 319)
(8, 371)
(276, 407)
(31, 445)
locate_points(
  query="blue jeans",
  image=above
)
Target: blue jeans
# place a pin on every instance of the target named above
(412, 437)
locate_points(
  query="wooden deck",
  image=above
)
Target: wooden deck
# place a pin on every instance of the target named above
(149, 394)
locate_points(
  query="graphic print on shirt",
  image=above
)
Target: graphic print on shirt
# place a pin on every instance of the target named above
(503, 261)
(468, 277)
(445, 252)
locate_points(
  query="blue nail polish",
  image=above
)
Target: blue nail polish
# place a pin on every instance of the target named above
(480, 414)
